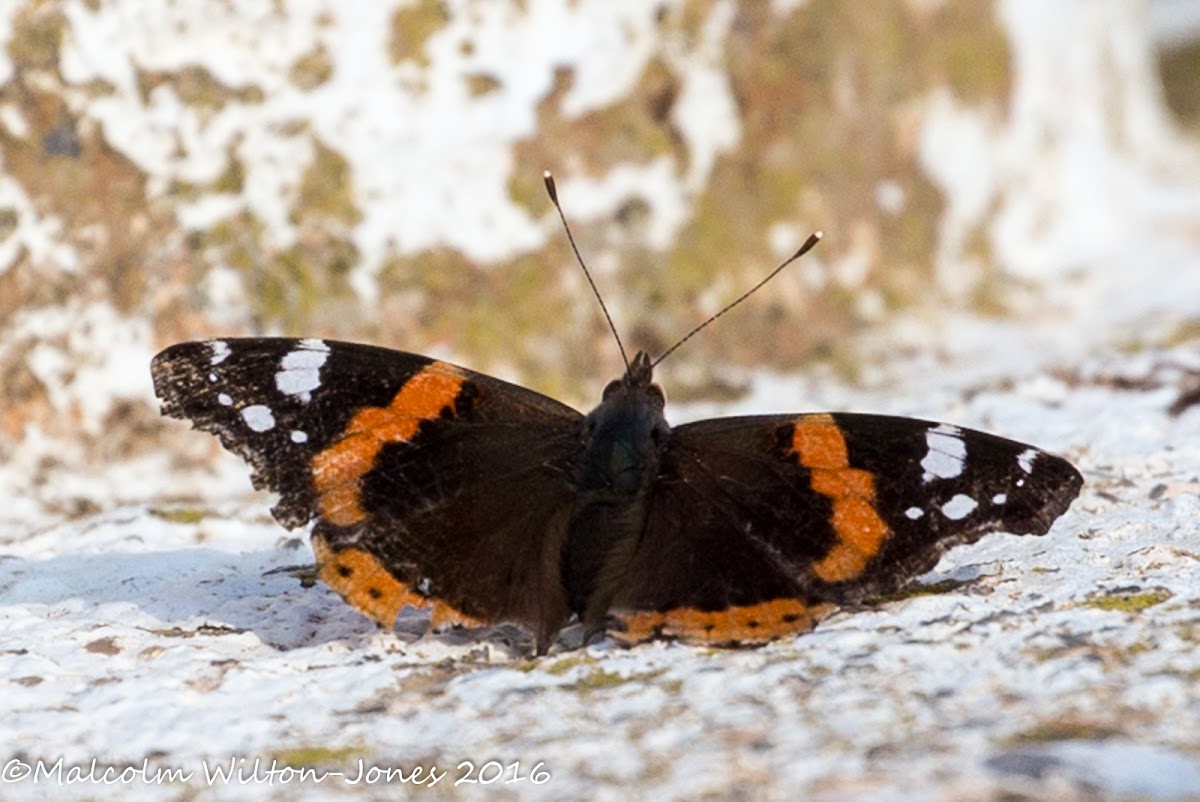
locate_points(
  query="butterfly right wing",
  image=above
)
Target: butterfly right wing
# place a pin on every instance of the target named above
(761, 524)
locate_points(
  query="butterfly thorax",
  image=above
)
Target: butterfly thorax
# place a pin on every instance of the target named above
(623, 439)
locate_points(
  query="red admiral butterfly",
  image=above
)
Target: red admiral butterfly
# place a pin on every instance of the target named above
(437, 487)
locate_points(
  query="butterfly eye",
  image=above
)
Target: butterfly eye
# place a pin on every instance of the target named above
(656, 395)
(610, 388)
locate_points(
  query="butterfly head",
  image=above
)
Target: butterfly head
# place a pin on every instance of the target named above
(625, 433)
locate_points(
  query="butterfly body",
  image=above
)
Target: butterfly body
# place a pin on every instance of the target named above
(620, 458)
(434, 486)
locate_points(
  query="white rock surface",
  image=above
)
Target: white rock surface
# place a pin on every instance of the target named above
(137, 642)
(127, 638)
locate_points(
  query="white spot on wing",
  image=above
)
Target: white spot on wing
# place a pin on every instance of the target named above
(212, 377)
(959, 507)
(224, 400)
(259, 418)
(220, 351)
(1025, 459)
(300, 370)
(947, 453)
(913, 513)
(1000, 498)
(299, 436)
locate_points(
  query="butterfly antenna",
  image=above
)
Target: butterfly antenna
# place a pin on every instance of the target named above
(808, 245)
(552, 191)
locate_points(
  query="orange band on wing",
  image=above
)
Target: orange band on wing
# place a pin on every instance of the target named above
(819, 444)
(338, 469)
(363, 582)
(360, 579)
(750, 624)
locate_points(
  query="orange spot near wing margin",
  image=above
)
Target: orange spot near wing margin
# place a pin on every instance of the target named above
(749, 624)
(359, 578)
(820, 446)
(338, 470)
(363, 582)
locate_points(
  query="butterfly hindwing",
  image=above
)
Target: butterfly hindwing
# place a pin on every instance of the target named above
(393, 455)
(820, 509)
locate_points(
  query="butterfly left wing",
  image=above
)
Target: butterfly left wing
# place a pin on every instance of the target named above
(431, 485)
(768, 521)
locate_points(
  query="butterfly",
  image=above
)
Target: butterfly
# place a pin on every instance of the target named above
(437, 487)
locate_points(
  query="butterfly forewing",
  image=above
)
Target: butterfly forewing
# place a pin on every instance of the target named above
(938, 485)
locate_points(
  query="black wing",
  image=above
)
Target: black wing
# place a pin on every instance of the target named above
(762, 523)
(431, 485)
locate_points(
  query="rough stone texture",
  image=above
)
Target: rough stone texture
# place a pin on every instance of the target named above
(1063, 667)
(1011, 245)
(375, 173)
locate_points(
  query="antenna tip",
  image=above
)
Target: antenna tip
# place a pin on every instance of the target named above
(551, 190)
(808, 245)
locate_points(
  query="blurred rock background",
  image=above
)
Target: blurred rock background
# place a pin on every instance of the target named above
(373, 172)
